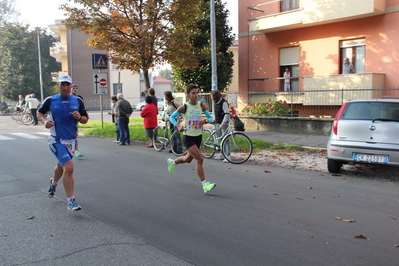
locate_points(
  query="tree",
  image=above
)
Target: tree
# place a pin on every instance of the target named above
(137, 33)
(19, 61)
(200, 39)
(165, 73)
(7, 11)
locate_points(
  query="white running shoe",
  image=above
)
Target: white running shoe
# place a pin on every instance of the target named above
(225, 160)
(219, 157)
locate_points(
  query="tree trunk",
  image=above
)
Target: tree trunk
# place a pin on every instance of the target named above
(146, 79)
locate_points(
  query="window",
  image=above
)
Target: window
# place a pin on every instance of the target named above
(354, 50)
(289, 58)
(116, 88)
(287, 5)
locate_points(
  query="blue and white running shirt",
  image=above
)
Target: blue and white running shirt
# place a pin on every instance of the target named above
(59, 108)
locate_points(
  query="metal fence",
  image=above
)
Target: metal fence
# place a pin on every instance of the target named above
(94, 104)
(303, 103)
(306, 103)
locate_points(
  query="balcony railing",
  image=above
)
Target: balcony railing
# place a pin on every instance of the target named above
(279, 15)
(58, 51)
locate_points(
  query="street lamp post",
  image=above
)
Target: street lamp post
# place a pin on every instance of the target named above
(213, 52)
(40, 66)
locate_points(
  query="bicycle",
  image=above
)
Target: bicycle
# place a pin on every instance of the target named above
(161, 140)
(17, 114)
(27, 118)
(236, 147)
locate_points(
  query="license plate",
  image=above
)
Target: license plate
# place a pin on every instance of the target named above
(370, 158)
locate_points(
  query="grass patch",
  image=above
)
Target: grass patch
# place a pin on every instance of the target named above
(108, 129)
(137, 132)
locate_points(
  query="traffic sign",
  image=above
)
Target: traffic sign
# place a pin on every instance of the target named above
(100, 61)
(100, 82)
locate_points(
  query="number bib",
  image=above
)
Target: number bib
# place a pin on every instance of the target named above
(192, 123)
(70, 144)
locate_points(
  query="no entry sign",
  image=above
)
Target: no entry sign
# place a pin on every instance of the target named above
(100, 82)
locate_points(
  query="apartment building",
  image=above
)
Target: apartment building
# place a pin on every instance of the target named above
(312, 38)
(76, 59)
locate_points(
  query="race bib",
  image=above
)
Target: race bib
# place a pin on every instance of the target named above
(69, 144)
(192, 122)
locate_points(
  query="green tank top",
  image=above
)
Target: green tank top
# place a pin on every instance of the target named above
(192, 116)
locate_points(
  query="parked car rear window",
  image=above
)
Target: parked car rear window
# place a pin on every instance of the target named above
(371, 110)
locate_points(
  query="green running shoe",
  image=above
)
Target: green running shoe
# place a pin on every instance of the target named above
(208, 186)
(171, 166)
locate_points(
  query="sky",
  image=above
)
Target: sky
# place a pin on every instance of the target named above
(42, 13)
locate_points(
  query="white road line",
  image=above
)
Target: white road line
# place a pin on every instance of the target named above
(2, 137)
(43, 133)
(28, 136)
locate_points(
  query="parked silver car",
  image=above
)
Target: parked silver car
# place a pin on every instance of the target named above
(364, 131)
(161, 103)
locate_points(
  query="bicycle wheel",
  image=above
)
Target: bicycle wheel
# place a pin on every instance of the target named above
(208, 143)
(18, 118)
(14, 114)
(237, 148)
(176, 144)
(27, 119)
(159, 138)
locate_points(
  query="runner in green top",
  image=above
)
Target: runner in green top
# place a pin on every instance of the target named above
(192, 134)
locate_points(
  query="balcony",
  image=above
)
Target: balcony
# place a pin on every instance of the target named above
(273, 16)
(326, 90)
(59, 51)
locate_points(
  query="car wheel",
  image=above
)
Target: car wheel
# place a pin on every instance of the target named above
(334, 166)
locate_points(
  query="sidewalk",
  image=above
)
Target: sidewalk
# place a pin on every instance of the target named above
(33, 235)
(306, 141)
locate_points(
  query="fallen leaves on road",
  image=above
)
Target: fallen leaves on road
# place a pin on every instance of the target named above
(300, 199)
(275, 193)
(267, 171)
(362, 236)
(30, 218)
(392, 217)
(346, 220)
(245, 171)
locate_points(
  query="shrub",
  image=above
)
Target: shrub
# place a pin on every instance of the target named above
(269, 108)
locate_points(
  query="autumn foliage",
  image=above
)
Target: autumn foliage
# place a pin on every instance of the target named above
(138, 34)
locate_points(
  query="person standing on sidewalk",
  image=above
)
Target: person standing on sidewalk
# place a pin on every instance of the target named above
(222, 120)
(114, 99)
(60, 113)
(193, 134)
(151, 92)
(149, 113)
(75, 90)
(171, 105)
(32, 103)
(123, 112)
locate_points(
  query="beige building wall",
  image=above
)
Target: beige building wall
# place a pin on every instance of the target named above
(234, 84)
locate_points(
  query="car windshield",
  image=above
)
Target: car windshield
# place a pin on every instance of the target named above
(371, 111)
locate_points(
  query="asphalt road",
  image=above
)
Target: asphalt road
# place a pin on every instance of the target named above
(256, 215)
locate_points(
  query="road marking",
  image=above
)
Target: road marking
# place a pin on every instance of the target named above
(43, 133)
(28, 136)
(2, 137)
